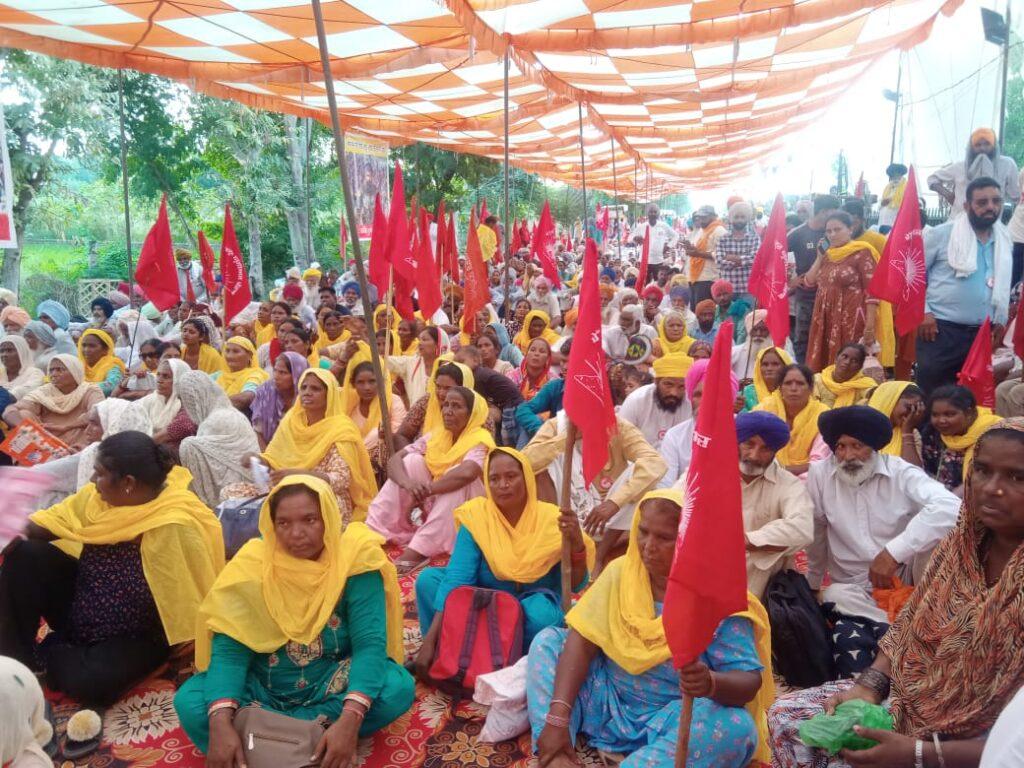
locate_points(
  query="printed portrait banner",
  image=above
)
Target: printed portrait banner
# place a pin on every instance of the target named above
(8, 236)
(367, 162)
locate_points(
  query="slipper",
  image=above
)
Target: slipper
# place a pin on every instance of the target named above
(51, 748)
(83, 734)
(409, 567)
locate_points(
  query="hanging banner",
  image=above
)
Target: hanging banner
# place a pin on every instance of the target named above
(366, 159)
(8, 237)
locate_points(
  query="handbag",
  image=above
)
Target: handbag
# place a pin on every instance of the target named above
(239, 521)
(273, 740)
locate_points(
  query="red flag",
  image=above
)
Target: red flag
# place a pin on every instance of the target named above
(768, 276)
(525, 236)
(156, 273)
(900, 277)
(190, 291)
(588, 396)
(484, 213)
(542, 245)
(206, 258)
(708, 581)
(237, 293)
(859, 189)
(428, 289)
(451, 266)
(601, 218)
(1018, 329)
(516, 242)
(398, 250)
(976, 373)
(342, 239)
(378, 249)
(442, 239)
(641, 279)
(476, 293)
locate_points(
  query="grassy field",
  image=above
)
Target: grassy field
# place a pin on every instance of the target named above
(54, 259)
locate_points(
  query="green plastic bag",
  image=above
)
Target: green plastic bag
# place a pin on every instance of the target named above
(835, 732)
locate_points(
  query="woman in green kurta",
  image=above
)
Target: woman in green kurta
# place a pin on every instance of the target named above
(306, 621)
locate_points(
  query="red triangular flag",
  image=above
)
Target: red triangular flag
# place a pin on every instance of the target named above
(476, 293)
(207, 259)
(708, 580)
(768, 276)
(190, 291)
(156, 273)
(442, 239)
(399, 241)
(588, 396)
(451, 266)
(516, 242)
(900, 277)
(645, 253)
(542, 246)
(484, 213)
(1018, 329)
(428, 289)
(525, 235)
(237, 293)
(976, 373)
(378, 272)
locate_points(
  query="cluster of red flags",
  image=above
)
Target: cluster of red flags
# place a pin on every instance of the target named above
(521, 235)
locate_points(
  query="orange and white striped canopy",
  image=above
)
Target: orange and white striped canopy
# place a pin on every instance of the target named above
(693, 94)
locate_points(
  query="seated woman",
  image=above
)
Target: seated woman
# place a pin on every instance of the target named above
(196, 349)
(17, 373)
(425, 413)
(514, 324)
(102, 367)
(295, 338)
(145, 552)
(536, 325)
(672, 335)
(262, 327)
(507, 541)
(535, 370)
(62, 406)
(507, 351)
(243, 377)
(489, 353)
(843, 383)
(214, 454)
(904, 404)
(767, 376)
(793, 402)
(415, 371)
(955, 422)
(332, 331)
(267, 352)
(140, 379)
(408, 337)
(305, 621)
(438, 473)
(954, 657)
(273, 398)
(45, 344)
(163, 404)
(362, 404)
(610, 675)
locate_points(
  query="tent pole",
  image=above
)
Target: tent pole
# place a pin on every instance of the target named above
(615, 194)
(506, 238)
(350, 214)
(124, 185)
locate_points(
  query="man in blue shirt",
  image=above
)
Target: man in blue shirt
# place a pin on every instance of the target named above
(968, 274)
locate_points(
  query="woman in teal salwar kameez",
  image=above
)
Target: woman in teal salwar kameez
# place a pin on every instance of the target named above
(306, 621)
(508, 541)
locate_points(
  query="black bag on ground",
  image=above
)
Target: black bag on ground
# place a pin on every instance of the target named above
(801, 638)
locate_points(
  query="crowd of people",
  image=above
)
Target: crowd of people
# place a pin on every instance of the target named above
(856, 446)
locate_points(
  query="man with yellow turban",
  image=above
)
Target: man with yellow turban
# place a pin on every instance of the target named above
(983, 159)
(655, 408)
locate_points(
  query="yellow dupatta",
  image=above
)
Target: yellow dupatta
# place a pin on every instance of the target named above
(380, 310)
(760, 385)
(210, 360)
(263, 333)
(884, 400)
(846, 392)
(182, 546)
(323, 341)
(232, 382)
(297, 444)
(681, 347)
(444, 452)
(617, 614)
(97, 374)
(965, 443)
(350, 397)
(412, 349)
(265, 598)
(522, 339)
(802, 431)
(885, 333)
(523, 553)
(433, 422)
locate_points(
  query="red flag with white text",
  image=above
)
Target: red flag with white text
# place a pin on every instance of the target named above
(237, 293)
(207, 260)
(542, 245)
(769, 279)
(900, 277)
(156, 273)
(976, 373)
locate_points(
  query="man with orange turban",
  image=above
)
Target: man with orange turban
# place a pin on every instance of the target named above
(983, 159)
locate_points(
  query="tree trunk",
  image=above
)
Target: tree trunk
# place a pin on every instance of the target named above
(295, 212)
(252, 223)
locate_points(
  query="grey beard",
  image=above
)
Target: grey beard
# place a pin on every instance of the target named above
(750, 469)
(859, 475)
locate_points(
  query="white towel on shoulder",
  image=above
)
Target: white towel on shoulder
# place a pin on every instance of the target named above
(963, 259)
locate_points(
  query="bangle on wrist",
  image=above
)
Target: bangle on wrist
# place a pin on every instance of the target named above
(222, 705)
(556, 721)
(938, 750)
(918, 754)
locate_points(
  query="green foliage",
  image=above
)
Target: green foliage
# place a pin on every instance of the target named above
(111, 262)
(1013, 138)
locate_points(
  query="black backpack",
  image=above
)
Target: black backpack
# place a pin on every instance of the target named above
(801, 638)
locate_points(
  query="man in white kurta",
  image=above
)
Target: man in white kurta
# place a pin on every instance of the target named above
(655, 408)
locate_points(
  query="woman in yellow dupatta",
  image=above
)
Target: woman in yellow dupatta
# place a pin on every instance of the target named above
(672, 336)
(793, 402)
(407, 335)
(316, 437)
(332, 331)
(438, 473)
(196, 349)
(136, 554)
(360, 400)
(842, 383)
(610, 675)
(263, 329)
(385, 316)
(768, 366)
(424, 416)
(243, 377)
(957, 421)
(903, 403)
(536, 324)
(306, 621)
(102, 367)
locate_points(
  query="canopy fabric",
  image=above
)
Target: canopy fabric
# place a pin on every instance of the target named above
(692, 94)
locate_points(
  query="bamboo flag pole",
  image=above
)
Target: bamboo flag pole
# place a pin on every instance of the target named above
(350, 213)
(685, 718)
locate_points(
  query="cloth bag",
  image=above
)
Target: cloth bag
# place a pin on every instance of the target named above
(273, 740)
(504, 692)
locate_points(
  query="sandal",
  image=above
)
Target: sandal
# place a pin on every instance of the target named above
(409, 567)
(83, 733)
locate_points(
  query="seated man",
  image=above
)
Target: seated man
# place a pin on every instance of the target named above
(876, 516)
(655, 408)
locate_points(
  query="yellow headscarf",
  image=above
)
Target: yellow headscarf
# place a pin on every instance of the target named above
(182, 546)
(522, 339)
(323, 341)
(673, 366)
(846, 392)
(617, 614)
(433, 422)
(380, 310)
(529, 550)
(884, 400)
(885, 333)
(350, 397)
(266, 598)
(232, 382)
(297, 444)
(444, 452)
(264, 333)
(966, 442)
(674, 347)
(801, 433)
(760, 385)
(96, 374)
(210, 360)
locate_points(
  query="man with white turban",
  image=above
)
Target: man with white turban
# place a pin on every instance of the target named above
(736, 249)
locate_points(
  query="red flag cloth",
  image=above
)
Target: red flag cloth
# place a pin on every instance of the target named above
(601, 218)
(516, 241)
(399, 240)
(476, 293)
(428, 288)
(442, 240)
(342, 239)
(207, 259)
(525, 236)
(378, 249)
(641, 278)
(484, 213)
(542, 245)
(769, 280)
(976, 373)
(708, 580)
(588, 396)
(156, 273)
(1018, 329)
(237, 293)
(451, 266)
(403, 298)
(190, 291)
(900, 277)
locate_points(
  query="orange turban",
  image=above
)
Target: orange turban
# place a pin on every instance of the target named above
(983, 133)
